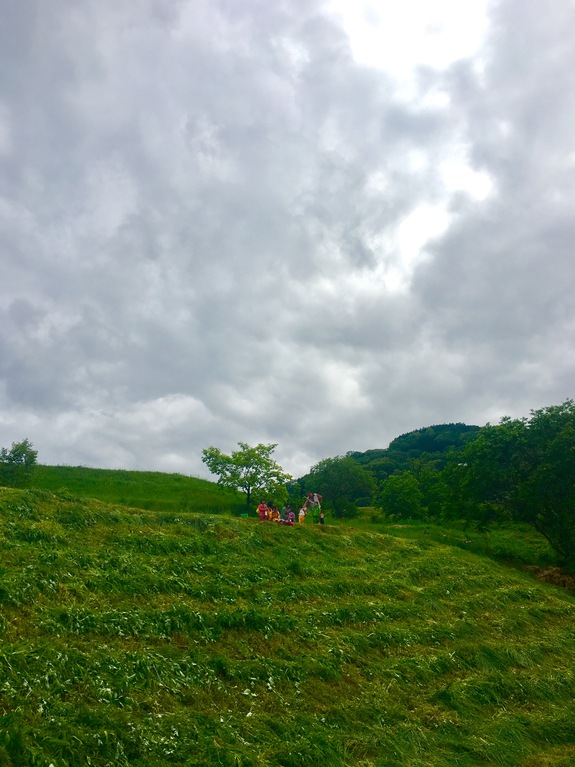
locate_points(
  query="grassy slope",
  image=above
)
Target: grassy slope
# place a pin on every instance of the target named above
(151, 490)
(513, 544)
(132, 638)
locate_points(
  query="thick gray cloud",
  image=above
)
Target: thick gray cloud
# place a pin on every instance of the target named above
(215, 226)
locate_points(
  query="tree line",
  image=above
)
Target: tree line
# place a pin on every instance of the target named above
(520, 470)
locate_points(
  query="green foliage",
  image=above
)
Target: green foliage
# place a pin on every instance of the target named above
(525, 468)
(339, 479)
(401, 498)
(434, 439)
(249, 469)
(434, 492)
(429, 446)
(344, 509)
(143, 639)
(17, 464)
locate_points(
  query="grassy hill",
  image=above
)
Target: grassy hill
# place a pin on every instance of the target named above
(131, 637)
(151, 490)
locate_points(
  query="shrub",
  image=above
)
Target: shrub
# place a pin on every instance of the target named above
(17, 464)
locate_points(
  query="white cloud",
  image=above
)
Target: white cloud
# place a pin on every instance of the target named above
(397, 37)
(261, 223)
(457, 176)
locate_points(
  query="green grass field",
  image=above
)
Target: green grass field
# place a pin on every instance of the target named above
(136, 637)
(512, 544)
(152, 490)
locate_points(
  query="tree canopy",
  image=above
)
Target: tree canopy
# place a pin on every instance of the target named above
(525, 469)
(340, 480)
(400, 496)
(251, 469)
(17, 464)
(430, 445)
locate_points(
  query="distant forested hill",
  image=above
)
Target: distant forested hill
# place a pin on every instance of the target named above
(430, 445)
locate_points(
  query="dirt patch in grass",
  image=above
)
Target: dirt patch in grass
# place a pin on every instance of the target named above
(555, 576)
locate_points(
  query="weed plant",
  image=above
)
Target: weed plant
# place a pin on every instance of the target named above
(131, 637)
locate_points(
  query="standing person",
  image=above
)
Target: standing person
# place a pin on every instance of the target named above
(314, 500)
(291, 515)
(301, 516)
(321, 517)
(263, 511)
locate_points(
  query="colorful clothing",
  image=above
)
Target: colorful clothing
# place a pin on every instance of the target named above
(314, 499)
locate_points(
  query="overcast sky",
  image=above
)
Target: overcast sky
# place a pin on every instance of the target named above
(317, 224)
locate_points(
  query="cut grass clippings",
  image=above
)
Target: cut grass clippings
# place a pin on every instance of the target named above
(130, 639)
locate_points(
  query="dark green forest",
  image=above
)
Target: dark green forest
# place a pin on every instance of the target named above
(431, 445)
(356, 478)
(519, 471)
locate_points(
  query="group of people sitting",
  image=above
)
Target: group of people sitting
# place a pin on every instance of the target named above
(271, 513)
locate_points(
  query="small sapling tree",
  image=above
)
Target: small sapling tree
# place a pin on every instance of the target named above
(17, 464)
(251, 470)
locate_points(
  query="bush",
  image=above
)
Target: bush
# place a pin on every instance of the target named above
(17, 464)
(344, 510)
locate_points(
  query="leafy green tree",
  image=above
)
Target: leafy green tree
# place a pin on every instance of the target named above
(434, 491)
(17, 464)
(340, 479)
(525, 469)
(251, 470)
(400, 497)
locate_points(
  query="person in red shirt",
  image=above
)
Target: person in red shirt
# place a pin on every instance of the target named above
(263, 511)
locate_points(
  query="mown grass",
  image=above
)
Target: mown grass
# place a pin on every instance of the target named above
(129, 637)
(151, 490)
(518, 545)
